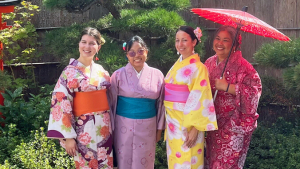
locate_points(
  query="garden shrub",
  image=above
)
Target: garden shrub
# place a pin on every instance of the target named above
(276, 147)
(5, 81)
(274, 91)
(161, 155)
(9, 139)
(27, 116)
(39, 152)
(282, 55)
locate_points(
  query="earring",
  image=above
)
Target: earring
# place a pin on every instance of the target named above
(193, 51)
(177, 53)
(97, 56)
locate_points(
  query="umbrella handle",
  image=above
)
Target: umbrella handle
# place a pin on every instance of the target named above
(215, 95)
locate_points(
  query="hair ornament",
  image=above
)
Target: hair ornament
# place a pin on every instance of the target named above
(102, 41)
(198, 33)
(124, 45)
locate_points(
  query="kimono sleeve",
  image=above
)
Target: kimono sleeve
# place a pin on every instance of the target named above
(61, 120)
(113, 95)
(160, 117)
(248, 91)
(199, 111)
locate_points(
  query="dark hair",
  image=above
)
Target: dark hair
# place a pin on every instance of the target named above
(94, 33)
(135, 38)
(189, 30)
(232, 31)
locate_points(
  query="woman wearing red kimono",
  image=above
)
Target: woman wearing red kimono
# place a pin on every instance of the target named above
(236, 102)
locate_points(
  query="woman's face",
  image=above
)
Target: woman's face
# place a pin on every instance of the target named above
(222, 44)
(137, 56)
(88, 46)
(184, 44)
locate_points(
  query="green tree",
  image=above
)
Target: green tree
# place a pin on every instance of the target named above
(20, 42)
(286, 56)
(154, 20)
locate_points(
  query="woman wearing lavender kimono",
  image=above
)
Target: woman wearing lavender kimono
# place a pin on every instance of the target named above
(79, 108)
(137, 104)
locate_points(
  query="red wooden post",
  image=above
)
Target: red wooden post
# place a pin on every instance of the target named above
(3, 9)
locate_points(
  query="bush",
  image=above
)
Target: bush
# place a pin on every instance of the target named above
(282, 55)
(38, 152)
(276, 147)
(161, 155)
(27, 116)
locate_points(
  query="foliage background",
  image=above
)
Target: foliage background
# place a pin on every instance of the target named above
(275, 144)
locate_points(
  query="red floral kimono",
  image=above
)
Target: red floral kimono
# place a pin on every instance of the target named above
(236, 114)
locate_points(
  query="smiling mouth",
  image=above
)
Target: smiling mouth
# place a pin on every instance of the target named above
(137, 60)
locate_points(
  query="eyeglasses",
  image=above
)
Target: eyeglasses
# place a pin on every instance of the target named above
(139, 52)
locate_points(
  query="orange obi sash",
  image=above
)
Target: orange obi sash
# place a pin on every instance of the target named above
(87, 102)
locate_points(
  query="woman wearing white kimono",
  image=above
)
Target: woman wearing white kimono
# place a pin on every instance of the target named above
(79, 108)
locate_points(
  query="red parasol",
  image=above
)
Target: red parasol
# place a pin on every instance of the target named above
(241, 20)
(246, 21)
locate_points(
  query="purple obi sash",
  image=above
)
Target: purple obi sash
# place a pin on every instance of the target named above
(176, 93)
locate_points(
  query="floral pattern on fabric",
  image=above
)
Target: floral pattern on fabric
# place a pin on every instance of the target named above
(236, 115)
(198, 112)
(62, 124)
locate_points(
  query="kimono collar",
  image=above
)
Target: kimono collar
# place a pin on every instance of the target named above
(191, 59)
(138, 74)
(233, 57)
(80, 66)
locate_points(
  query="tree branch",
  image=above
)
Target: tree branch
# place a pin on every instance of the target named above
(84, 6)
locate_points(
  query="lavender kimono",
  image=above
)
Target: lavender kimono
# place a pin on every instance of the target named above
(92, 131)
(135, 139)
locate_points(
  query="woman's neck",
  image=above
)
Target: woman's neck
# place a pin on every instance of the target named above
(85, 62)
(139, 68)
(186, 56)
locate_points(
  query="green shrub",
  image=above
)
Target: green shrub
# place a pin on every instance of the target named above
(39, 152)
(282, 55)
(27, 116)
(161, 155)
(9, 139)
(5, 81)
(276, 147)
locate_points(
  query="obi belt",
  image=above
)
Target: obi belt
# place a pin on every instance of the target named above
(87, 102)
(136, 108)
(176, 93)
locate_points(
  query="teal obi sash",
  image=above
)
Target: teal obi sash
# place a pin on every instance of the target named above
(136, 108)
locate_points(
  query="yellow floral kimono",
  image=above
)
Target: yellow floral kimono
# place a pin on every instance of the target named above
(189, 103)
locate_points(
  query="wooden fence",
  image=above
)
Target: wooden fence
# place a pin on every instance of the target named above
(281, 14)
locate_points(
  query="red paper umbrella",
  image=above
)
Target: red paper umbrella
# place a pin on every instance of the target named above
(246, 21)
(241, 20)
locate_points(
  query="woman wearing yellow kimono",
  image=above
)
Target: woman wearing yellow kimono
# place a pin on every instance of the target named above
(189, 105)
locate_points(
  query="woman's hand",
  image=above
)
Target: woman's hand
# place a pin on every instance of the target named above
(191, 137)
(71, 146)
(221, 84)
(158, 135)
